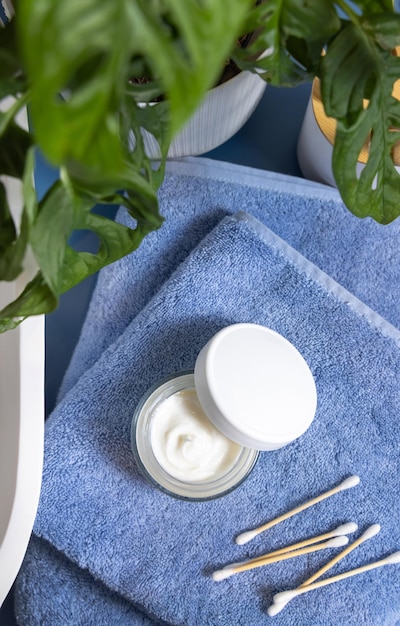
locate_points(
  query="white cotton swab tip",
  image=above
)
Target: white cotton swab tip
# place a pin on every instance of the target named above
(371, 532)
(276, 608)
(392, 559)
(245, 537)
(337, 542)
(350, 482)
(221, 574)
(346, 529)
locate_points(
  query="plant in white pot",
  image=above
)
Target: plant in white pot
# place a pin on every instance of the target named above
(80, 67)
(91, 53)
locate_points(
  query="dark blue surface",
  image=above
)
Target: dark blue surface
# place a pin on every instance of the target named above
(268, 141)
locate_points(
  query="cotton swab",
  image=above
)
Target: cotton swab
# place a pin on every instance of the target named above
(352, 481)
(229, 570)
(368, 534)
(343, 529)
(282, 598)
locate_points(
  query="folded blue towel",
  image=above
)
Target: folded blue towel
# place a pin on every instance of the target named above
(158, 552)
(38, 601)
(361, 255)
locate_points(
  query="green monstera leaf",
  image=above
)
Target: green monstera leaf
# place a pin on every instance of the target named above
(358, 74)
(94, 73)
(75, 64)
(289, 37)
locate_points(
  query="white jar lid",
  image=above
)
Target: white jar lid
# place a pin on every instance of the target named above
(255, 386)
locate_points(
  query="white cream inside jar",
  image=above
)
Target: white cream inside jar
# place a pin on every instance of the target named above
(186, 444)
(178, 448)
(198, 435)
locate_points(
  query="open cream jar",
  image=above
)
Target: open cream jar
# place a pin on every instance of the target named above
(198, 435)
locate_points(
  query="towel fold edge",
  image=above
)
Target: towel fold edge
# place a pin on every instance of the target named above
(319, 276)
(251, 176)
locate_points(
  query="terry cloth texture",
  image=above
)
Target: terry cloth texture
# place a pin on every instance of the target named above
(158, 552)
(361, 255)
(52, 591)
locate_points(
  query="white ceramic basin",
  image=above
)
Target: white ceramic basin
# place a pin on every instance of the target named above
(21, 428)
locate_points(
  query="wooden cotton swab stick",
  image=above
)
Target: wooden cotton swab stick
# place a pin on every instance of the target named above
(343, 529)
(368, 534)
(221, 574)
(352, 481)
(281, 599)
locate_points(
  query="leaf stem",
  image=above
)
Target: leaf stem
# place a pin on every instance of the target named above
(11, 113)
(348, 10)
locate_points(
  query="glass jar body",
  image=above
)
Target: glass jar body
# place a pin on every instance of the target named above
(144, 423)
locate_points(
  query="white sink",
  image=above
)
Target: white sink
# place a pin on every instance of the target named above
(21, 426)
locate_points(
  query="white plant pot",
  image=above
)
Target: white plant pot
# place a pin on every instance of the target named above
(21, 421)
(224, 110)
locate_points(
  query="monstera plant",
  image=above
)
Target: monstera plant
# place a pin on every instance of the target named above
(87, 70)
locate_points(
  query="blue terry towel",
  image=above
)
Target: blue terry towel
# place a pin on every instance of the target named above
(52, 591)
(361, 255)
(158, 552)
